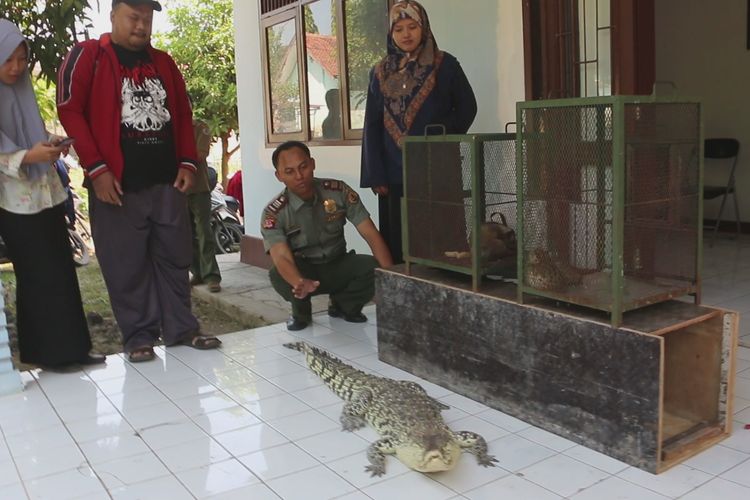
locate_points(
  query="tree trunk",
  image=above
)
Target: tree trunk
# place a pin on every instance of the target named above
(226, 154)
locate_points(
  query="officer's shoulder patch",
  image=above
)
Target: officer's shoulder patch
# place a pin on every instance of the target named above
(269, 222)
(277, 204)
(351, 196)
(333, 185)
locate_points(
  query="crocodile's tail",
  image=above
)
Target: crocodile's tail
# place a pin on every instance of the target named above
(312, 352)
(342, 378)
(297, 346)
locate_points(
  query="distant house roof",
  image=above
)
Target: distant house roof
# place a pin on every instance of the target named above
(324, 50)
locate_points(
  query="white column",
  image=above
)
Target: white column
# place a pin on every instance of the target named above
(10, 379)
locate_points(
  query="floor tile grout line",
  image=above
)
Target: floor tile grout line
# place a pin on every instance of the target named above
(211, 437)
(150, 448)
(693, 488)
(75, 441)
(13, 459)
(199, 374)
(294, 442)
(171, 399)
(746, 461)
(519, 474)
(335, 472)
(266, 422)
(354, 485)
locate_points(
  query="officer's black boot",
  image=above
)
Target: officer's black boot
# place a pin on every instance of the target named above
(335, 311)
(301, 315)
(295, 324)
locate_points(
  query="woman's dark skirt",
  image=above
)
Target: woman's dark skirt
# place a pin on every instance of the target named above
(52, 329)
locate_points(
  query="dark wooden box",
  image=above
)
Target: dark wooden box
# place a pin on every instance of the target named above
(651, 393)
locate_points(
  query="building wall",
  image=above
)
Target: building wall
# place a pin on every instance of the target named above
(703, 50)
(487, 39)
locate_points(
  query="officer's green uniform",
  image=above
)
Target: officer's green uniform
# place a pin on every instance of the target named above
(314, 231)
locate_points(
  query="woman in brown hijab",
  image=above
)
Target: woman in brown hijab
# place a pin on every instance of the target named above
(415, 85)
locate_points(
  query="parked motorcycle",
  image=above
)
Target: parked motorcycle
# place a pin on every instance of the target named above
(74, 218)
(225, 223)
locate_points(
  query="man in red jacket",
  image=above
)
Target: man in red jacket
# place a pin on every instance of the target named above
(126, 106)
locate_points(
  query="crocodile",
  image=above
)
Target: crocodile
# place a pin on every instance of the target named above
(406, 418)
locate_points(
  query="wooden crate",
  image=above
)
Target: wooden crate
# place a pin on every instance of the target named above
(696, 385)
(651, 393)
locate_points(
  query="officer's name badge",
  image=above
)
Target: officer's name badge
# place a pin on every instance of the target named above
(329, 205)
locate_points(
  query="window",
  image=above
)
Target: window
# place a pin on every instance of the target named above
(317, 56)
(595, 47)
(586, 48)
(284, 87)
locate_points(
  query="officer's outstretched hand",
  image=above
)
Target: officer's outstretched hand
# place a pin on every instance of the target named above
(304, 288)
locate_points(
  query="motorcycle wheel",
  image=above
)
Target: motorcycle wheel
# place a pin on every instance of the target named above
(81, 255)
(227, 237)
(82, 227)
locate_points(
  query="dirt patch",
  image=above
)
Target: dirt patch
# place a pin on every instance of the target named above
(105, 334)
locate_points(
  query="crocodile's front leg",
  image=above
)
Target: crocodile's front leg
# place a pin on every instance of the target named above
(376, 456)
(352, 416)
(476, 445)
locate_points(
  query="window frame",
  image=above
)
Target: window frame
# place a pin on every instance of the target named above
(268, 22)
(295, 10)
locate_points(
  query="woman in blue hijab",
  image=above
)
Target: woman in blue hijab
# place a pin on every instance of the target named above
(51, 325)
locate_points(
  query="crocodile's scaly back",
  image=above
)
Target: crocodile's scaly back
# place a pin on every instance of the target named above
(408, 420)
(343, 379)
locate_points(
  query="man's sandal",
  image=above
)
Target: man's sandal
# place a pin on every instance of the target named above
(141, 354)
(202, 342)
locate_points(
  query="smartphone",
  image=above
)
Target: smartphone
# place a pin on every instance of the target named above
(65, 142)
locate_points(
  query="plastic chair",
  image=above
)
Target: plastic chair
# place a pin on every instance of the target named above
(722, 149)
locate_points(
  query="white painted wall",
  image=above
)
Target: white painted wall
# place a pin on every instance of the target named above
(702, 47)
(487, 39)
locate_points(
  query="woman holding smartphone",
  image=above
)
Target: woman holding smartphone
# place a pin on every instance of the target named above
(52, 329)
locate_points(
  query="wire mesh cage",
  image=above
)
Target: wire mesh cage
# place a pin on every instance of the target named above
(610, 190)
(452, 185)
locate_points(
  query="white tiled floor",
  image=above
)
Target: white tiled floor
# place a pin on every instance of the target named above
(251, 422)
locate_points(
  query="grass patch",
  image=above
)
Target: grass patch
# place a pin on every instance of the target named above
(105, 334)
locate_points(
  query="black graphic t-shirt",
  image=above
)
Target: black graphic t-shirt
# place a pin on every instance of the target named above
(146, 124)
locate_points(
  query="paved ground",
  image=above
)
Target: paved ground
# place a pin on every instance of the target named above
(251, 421)
(246, 290)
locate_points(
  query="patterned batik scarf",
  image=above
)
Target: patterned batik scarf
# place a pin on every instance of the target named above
(407, 79)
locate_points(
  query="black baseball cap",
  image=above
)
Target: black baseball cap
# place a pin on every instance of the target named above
(152, 3)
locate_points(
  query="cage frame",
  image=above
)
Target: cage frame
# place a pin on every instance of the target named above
(617, 103)
(478, 193)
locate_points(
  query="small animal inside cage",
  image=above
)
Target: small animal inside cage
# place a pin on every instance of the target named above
(610, 201)
(453, 184)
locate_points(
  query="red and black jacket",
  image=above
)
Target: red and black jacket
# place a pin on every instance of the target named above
(89, 88)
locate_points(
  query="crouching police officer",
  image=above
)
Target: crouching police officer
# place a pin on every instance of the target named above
(303, 230)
